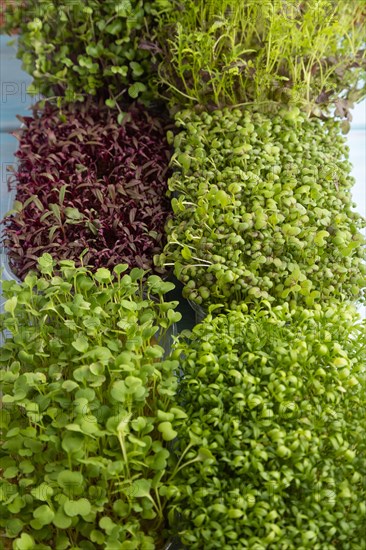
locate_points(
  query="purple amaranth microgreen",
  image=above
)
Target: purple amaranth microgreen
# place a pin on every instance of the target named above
(87, 185)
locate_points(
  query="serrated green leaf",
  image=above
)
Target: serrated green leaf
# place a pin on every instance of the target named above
(140, 488)
(45, 264)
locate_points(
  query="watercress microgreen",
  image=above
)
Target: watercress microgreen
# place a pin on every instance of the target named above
(277, 398)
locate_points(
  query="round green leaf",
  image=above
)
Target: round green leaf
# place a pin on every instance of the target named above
(42, 492)
(61, 521)
(81, 344)
(81, 507)
(44, 514)
(103, 275)
(14, 526)
(167, 430)
(72, 481)
(25, 542)
(136, 89)
(72, 442)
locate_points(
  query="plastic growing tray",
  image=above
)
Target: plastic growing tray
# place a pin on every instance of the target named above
(174, 545)
(6, 272)
(200, 313)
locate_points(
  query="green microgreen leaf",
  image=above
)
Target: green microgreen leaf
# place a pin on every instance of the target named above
(85, 381)
(260, 390)
(262, 210)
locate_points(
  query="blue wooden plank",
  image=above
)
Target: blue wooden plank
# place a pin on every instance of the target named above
(14, 99)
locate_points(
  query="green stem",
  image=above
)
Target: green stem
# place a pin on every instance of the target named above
(159, 503)
(180, 460)
(121, 440)
(176, 90)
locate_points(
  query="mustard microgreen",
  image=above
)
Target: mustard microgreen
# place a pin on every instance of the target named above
(263, 210)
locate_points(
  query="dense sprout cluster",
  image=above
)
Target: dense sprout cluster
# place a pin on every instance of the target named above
(77, 47)
(250, 431)
(88, 185)
(87, 396)
(263, 209)
(218, 53)
(278, 401)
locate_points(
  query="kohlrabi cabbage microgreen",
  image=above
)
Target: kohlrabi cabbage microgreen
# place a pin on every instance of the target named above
(88, 404)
